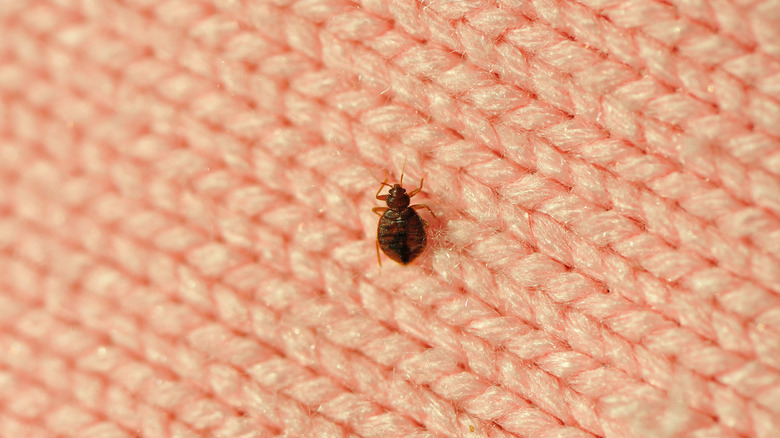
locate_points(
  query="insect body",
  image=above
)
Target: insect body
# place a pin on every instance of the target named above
(401, 231)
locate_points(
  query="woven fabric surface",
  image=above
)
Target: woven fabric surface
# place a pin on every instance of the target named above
(187, 246)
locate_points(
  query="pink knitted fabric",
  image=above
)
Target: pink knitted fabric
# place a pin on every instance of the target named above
(187, 246)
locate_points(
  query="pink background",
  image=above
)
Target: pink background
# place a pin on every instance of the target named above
(187, 243)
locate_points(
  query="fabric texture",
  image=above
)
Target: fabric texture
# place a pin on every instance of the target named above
(187, 246)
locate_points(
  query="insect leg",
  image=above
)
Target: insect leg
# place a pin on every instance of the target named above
(419, 206)
(378, 259)
(379, 211)
(417, 190)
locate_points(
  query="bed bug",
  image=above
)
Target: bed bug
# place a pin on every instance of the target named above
(401, 232)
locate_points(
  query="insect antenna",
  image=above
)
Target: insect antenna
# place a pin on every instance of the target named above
(384, 183)
(401, 183)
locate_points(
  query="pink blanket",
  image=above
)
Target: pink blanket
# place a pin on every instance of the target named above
(187, 246)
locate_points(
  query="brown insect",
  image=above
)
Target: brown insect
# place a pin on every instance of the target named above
(401, 232)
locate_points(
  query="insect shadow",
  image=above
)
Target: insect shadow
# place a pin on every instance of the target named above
(401, 233)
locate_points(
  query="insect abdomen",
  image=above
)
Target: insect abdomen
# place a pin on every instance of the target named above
(401, 235)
